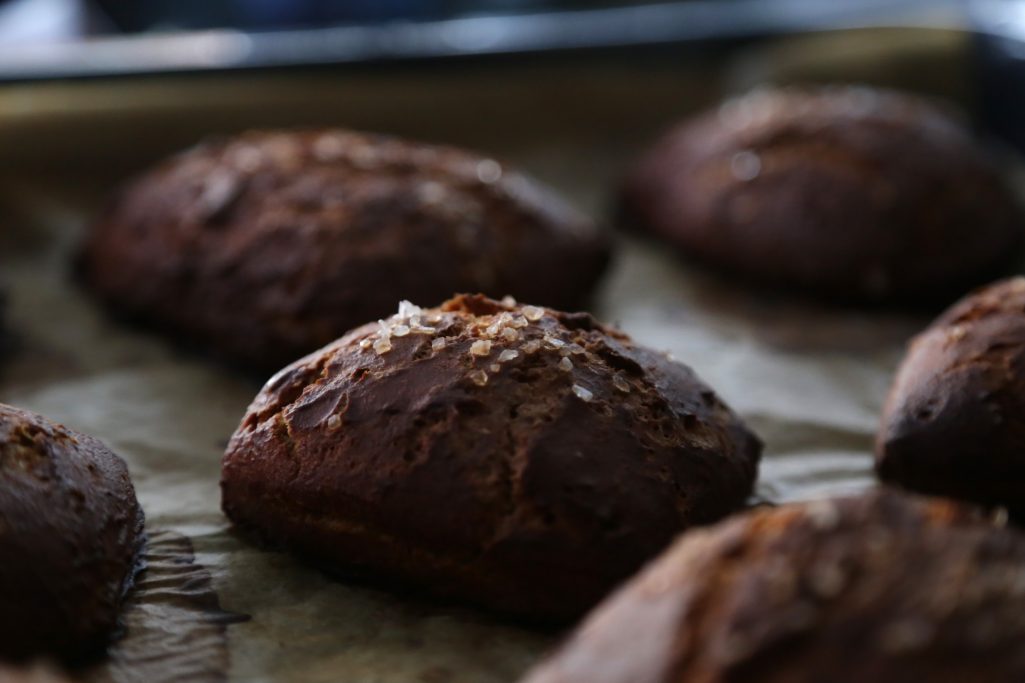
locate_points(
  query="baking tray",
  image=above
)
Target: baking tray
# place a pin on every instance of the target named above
(810, 380)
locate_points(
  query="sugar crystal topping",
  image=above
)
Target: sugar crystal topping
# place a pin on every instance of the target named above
(566, 364)
(478, 377)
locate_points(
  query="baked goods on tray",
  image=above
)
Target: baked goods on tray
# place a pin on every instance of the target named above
(954, 422)
(71, 537)
(845, 193)
(508, 455)
(267, 246)
(883, 587)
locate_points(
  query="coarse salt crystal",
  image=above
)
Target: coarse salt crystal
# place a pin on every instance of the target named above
(248, 158)
(432, 192)
(366, 343)
(334, 422)
(438, 344)
(582, 393)
(408, 309)
(621, 384)
(489, 171)
(382, 345)
(533, 313)
(478, 377)
(823, 514)
(481, 347)
(494, 367)
(531, 347)
(329, 147)
(363, 157)
(508, 301)
(509, 334)
(553, 342)
(566, 364)
(400, 330)
(518, 321)
(508, 355)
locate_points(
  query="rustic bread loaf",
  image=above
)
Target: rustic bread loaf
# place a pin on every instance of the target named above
(884, 587)
(269, 245)
(845, 193)
(513, 456)
(954, 422)
(71, 535)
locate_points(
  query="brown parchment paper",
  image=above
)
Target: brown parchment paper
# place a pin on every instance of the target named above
(810, 380)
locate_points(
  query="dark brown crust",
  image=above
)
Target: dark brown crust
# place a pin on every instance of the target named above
(71, 533)
(884, 587)
(845, 193)
(517, 494)
(954, 422)
(269, 245)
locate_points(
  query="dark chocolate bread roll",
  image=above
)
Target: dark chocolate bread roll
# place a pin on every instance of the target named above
(851, 194)
(954, 422)
(71, 535)
(884, 587)
(511, 456)
(269, 245)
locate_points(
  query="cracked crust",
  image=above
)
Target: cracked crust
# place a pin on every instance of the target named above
(269, 245)
(71, 537)
(513, 456)
(882, 587)
(953, 422)
(847, 193)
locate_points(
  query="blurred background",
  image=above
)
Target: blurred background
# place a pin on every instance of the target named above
(78, 77)
(44, 38)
